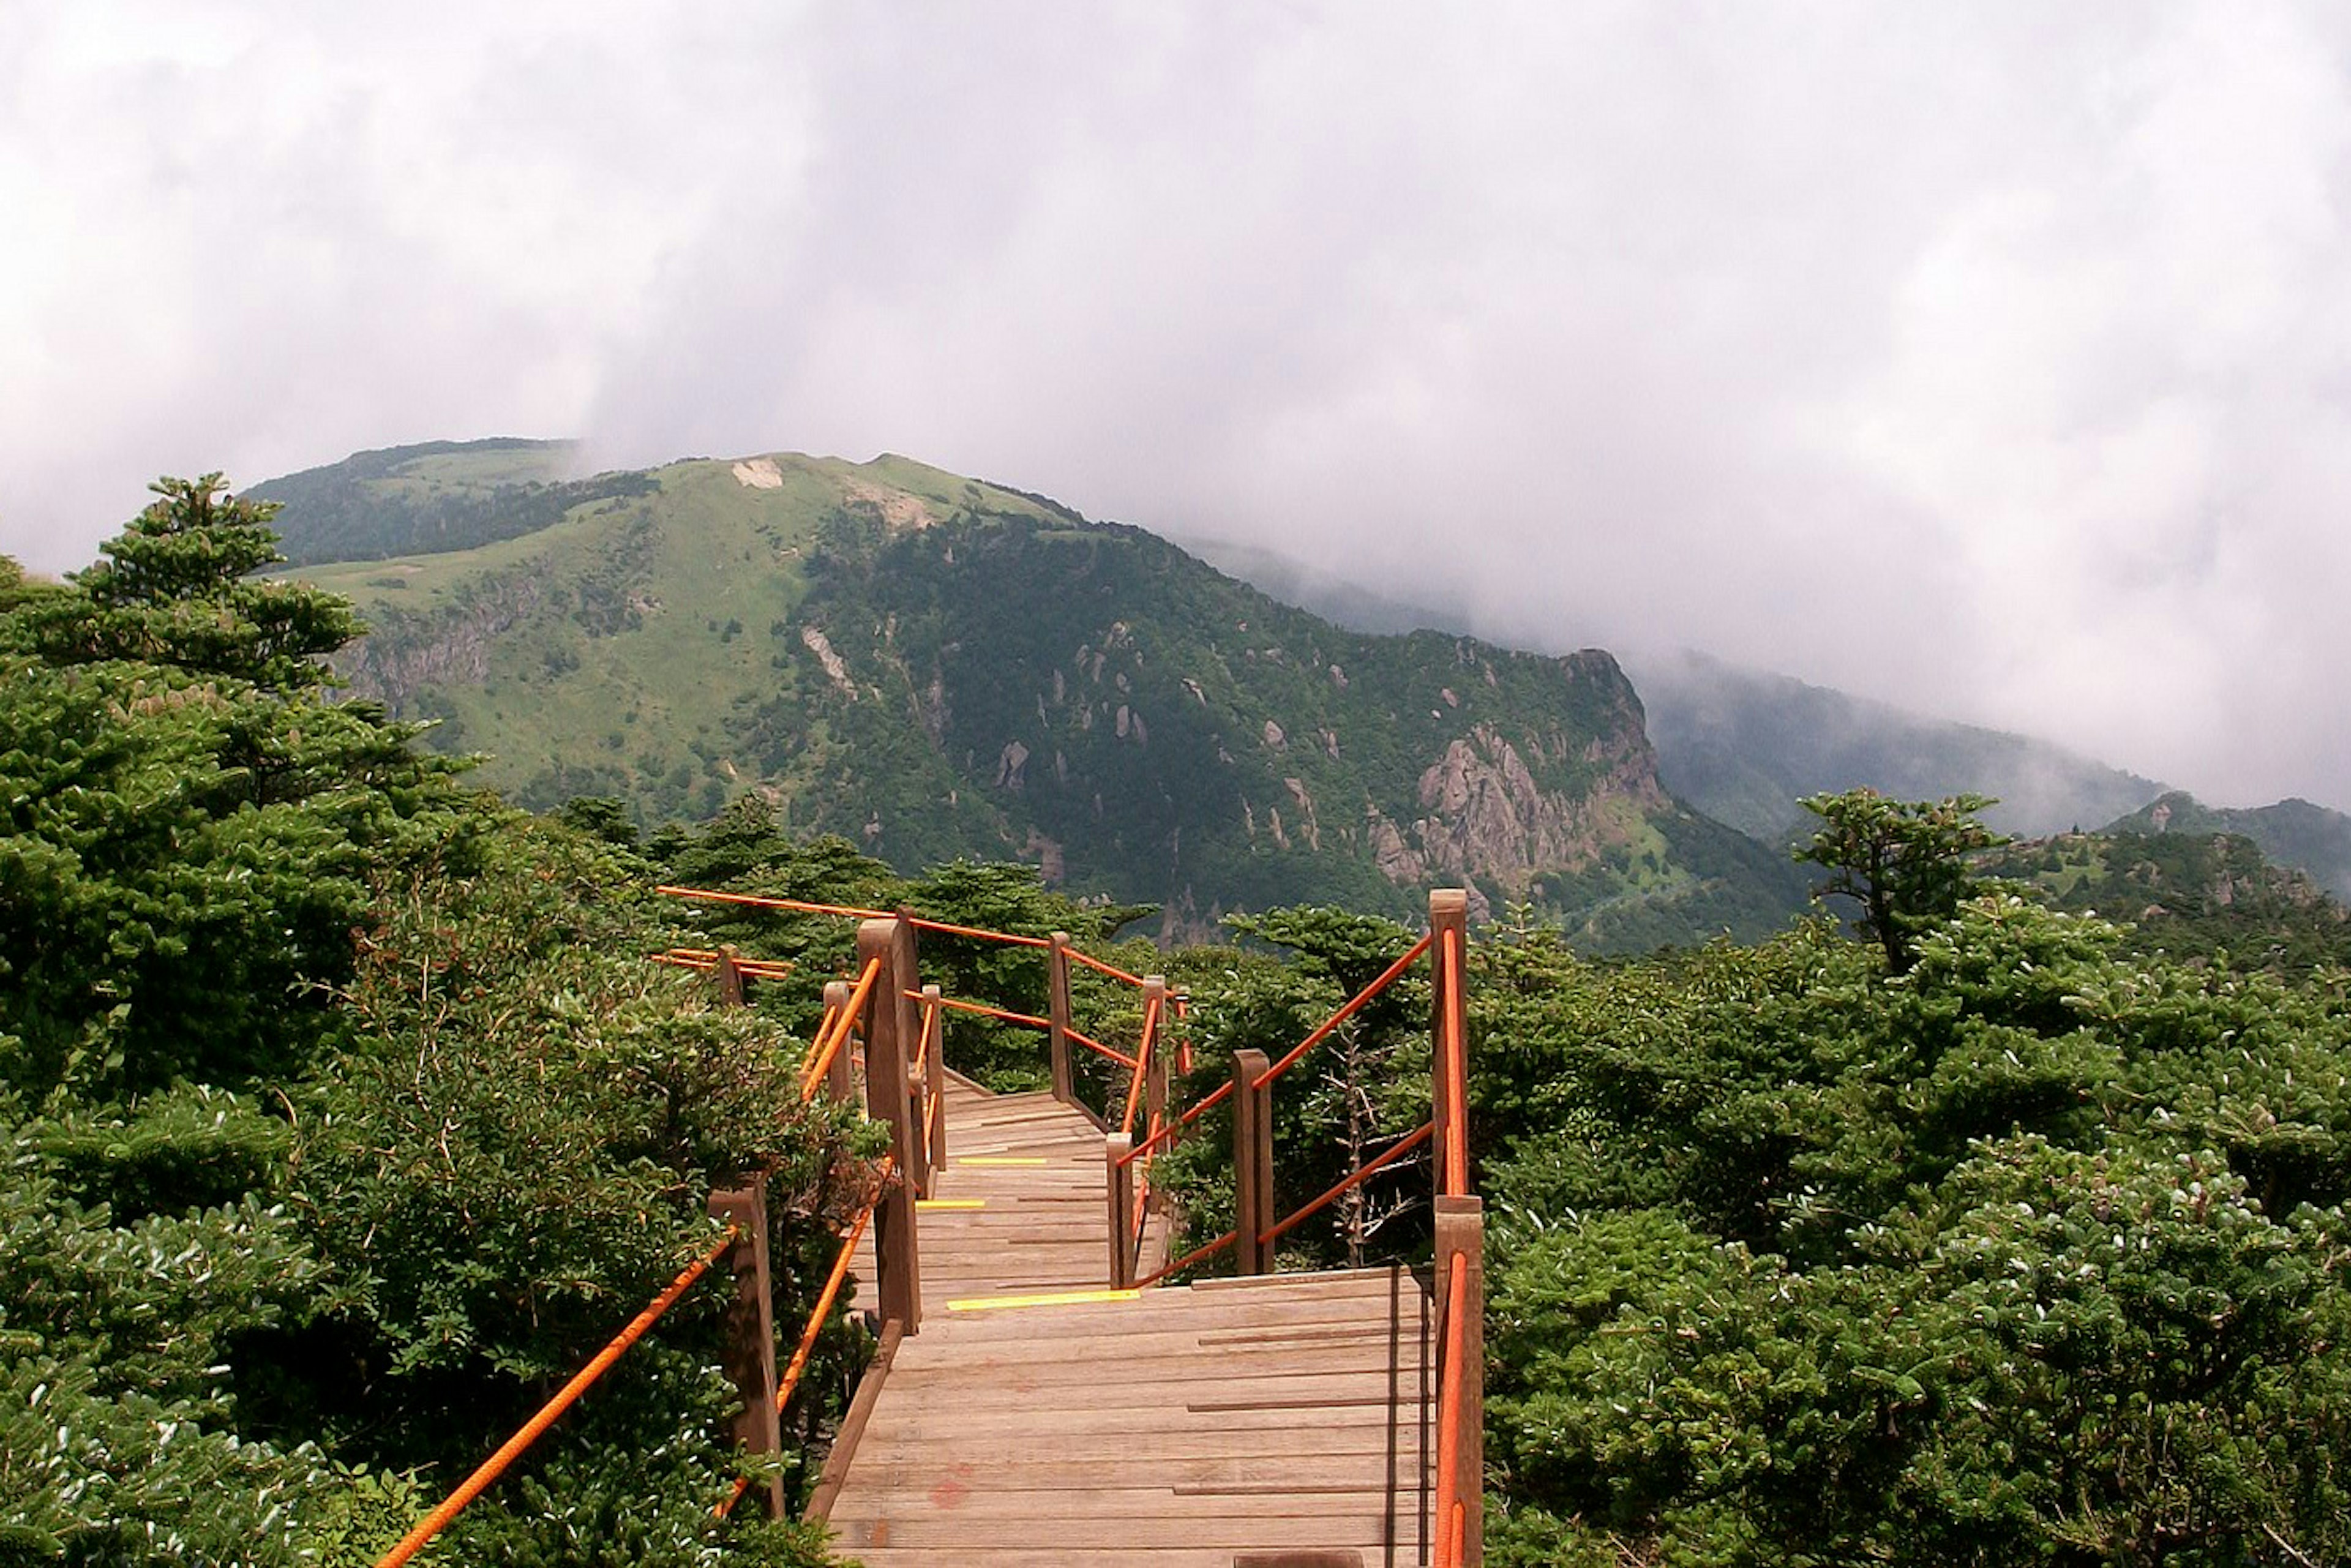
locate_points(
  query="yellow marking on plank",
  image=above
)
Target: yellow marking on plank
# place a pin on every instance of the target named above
(999, 1159)
(1048, 1298)
(951, 1203)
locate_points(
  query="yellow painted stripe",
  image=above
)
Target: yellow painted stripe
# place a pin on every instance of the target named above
(999, 1159)
(951, 1203)
(1054, 1299)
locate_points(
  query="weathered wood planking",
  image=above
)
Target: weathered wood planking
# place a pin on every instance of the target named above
(1181, 1427)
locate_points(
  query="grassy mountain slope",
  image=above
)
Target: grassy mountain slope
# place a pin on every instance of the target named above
(438, 496)
(2292, 832)
(937, 667)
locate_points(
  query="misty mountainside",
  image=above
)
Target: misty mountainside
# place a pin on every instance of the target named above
(935, 667)
(2292, 832)
(1744, 745)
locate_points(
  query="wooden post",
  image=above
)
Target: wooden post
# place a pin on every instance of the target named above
(1449, 910)
(730, 980)
(1156, 1077)
(1121, 1182)
(750, 1352)
(1252, 1163)
(897, 1269)
(837, 1080)
(902, 978)
(934, 1045)
(1461, 1232)
(1057, 1012)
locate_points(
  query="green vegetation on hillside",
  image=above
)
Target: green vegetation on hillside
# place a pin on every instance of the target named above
(2292, 832)
(343, 1115)
(934, 668)
(438, 496)
(2032, 1252)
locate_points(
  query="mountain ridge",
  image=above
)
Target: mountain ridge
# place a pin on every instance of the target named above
(935, 667)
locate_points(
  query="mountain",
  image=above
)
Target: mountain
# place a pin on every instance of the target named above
(934, 667)
(2292, 832)
(1744, 745)
(2191, 892)
(440, 496)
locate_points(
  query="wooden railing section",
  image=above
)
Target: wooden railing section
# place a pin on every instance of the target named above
(887, 1017)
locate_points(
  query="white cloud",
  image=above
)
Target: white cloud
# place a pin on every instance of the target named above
(1990, 358)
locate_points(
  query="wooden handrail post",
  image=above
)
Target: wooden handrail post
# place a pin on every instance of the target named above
(837, 1080)
(750, 1353)
(1449, 910)
(902, 978)
(1461, 1231)
(1252, 1163)
(897, 1266)
(1156, 1077)
(1057, 1014)
(933, 1099)
(730, 980)
(1121, 1183)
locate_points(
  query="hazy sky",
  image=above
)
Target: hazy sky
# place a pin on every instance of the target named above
(1990, 359)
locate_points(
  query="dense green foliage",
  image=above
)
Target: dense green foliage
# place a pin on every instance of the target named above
(343, 1117)
(2292, 832)
(2035, 1252)
(2206, 897)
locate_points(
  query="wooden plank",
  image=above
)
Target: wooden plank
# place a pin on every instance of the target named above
(854, 1422)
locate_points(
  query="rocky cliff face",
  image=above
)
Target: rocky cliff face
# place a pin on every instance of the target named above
(406, 655)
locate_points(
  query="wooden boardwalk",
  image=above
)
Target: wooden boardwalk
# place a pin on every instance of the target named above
(1168, 1427)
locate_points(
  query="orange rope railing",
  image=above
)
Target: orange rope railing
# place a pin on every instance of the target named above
(491, 1468)
(1361, 1174)
(820, 1055)
(1355, 1006)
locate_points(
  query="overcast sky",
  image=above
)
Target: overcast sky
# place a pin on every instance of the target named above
(1993, 360)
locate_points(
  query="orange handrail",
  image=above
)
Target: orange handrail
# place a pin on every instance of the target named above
(1342, 1015)
(823, 1052)
(792, 1379)
(1090, 1043)
(1449, 1511)
(1362, 1173)
(704, 959)
(1177, 1123)
(946, 928)
(1142, 1065)
(1113, 970)
(1456, 1075)
(491, 1468)
(1186, 1261)
(762, 901)
(984, 1011)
